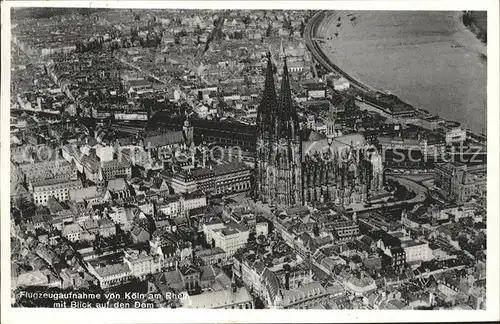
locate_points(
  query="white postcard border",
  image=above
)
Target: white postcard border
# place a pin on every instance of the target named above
(23, 315)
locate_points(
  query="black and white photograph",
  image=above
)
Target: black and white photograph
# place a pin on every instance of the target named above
(250, 158)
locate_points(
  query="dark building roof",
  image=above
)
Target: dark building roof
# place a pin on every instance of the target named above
(204, 129)
(221, 169)
(270, 283)
(169, 138)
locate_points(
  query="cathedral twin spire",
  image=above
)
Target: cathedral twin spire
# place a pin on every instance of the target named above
(277, 115)
(278, 163)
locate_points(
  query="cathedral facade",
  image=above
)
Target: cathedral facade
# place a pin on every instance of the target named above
(278, 162)
(299, 167)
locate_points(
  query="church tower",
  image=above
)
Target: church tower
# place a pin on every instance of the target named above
(330, 123)
(287, 148)
(188, 131)
(282, 50)
(265, 132)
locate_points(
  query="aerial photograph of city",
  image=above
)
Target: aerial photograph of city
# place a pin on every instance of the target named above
(248, 159)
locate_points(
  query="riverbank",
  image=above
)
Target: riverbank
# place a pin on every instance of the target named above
(428, 59)
(476, 22)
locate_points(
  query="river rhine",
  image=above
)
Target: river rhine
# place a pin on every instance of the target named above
(428, 59)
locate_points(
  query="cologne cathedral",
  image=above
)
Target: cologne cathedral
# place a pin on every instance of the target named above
(301, 167)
